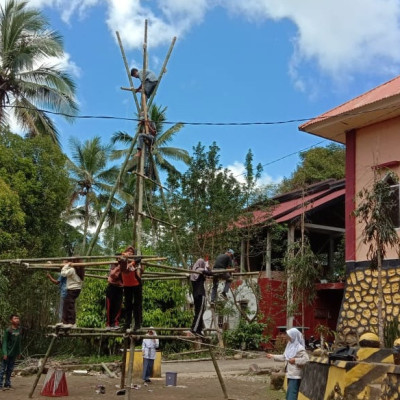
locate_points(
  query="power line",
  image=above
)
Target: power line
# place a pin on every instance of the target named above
(203, 123)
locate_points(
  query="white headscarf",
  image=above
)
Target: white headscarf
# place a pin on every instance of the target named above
(295, 345)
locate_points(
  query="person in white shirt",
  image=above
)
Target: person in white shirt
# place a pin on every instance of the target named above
(149, 347)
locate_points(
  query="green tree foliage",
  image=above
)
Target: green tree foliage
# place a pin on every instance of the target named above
(208, 200)
(316, 165)
(34, 190)
(91, 176)
(34, 170)
(12, 222)
(27, 81)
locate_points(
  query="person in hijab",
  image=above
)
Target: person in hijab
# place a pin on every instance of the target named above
(149, 347)
(295, 357)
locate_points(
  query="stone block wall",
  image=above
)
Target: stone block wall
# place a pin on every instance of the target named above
(359, 311)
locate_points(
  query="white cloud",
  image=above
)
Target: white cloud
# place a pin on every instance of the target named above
(66, 64)
(238, 170)
(338, 37)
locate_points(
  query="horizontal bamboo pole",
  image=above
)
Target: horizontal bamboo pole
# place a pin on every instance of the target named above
(88, 264)
(21, 260)
(66, 333)
(155, 278)
(157, 219)
(151, 180)
(167, 267)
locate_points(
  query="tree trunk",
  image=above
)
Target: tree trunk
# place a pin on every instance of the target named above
(86, 224)
(380, 296)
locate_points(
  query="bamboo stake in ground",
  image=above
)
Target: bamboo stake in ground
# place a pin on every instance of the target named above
(40, 371)
(217, 370)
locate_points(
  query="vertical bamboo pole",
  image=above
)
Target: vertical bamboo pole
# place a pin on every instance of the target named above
(217, 370)
(175, 236)
(123, 368)
(40, 371)
(268, 255)
(137, 227)
(128, 72)
(128, 393)
(289, 283)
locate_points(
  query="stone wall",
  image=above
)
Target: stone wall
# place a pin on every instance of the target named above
(359, 312)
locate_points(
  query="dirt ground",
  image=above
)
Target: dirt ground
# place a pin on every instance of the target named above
(195, 381)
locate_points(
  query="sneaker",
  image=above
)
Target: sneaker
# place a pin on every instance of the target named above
(108, 328)
(66, 326)
(148, 381)
(115, 328)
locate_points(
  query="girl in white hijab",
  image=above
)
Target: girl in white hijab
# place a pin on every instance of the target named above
(295, 357)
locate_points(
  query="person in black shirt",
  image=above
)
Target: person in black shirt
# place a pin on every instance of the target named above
(223, 261)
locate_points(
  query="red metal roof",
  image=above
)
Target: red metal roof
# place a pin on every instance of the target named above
(288, 210)
(378, 104)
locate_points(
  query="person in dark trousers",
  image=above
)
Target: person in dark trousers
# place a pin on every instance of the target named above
(150, 81)
(199, 294)
(146, 138)
(295, 357)
(223, 261)
(75, 276)
(114, 294)
(149, 349)
(11, 351)
(133, 297)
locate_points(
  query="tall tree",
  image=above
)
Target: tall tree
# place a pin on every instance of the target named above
(208, 200)
(91, 176)
(316, 165)
(28, 82)
(161, 152)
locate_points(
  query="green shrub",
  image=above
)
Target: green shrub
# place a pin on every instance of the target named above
(245, 336)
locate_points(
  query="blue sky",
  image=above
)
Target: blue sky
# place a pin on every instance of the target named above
(234, 61)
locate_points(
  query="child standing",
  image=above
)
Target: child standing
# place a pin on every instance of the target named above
(149, 347)
(75, 276)
(295, 357)
(61, 281)
(11, 350)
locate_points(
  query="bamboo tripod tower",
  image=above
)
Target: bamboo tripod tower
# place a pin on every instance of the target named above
(132, 337)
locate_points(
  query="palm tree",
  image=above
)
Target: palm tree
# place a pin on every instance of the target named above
(27, 83)
(160, 152)
(91, 178)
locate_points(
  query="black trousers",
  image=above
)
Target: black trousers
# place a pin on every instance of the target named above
(199, 308)
(113, 304)
(133, 305)
(69, 311)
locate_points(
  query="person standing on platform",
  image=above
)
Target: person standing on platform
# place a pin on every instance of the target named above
(133, 290)
(61, 281)
(114, 294)
(295, 357)
(11, 351)
(75, 276)
(149, 347)
(223, 261)
(199, 294)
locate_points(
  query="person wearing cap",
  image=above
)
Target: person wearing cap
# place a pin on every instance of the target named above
(149, 347)
(223, 261)
(150, 81)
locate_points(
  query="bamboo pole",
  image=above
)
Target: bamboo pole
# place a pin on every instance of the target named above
(128, 393)
(217, 370)
(128, 72)
(158, 220)
(89, 264)
(40, 371)
(30, 260)
(151, 180)
(176, 239)
(123, 368)
(163, 70)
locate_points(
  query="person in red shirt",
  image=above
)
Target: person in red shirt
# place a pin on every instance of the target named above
(131, 279)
